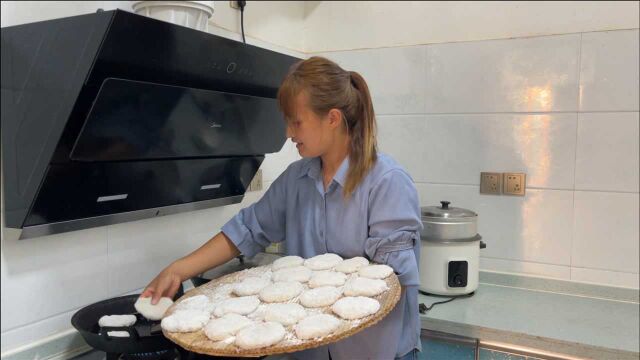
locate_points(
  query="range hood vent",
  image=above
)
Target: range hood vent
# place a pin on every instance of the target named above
(112, 117)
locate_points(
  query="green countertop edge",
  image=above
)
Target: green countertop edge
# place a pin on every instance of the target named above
(558, 286)
(509, 338)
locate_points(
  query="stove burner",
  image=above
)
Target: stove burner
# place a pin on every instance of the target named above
(172, 354)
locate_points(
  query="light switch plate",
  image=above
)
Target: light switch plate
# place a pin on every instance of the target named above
(490, 183)
(256, 183)
(514, 183)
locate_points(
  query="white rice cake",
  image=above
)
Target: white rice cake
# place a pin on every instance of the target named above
(287, 261)
(185, 321)
(352, 308)
(117, 320)
(240, 305)
(365, 287)
(251, 286)
(285, 314)
(320, 297)
(281, 291)
(298, 273)
(152, 312)
(226, 326)
(327, 278)
(317, 326)
(375, 271)
(323, 262)
(198, 302)
(351, 265)
(260, 335)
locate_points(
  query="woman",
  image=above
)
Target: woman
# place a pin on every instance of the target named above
(342, 197)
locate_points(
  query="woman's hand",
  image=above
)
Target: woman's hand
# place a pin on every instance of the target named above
(218, 250)
(166, 284)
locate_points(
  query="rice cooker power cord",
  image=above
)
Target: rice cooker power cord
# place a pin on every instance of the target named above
(422, 308)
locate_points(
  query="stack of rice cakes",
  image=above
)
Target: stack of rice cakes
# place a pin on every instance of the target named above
(290, 305)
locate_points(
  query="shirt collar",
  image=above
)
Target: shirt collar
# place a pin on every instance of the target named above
(341, 175)
(313, 168)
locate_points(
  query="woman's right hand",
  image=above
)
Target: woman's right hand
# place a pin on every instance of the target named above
(166, 284)
(218, 250)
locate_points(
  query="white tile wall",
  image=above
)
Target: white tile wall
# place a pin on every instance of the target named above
(454, 149)
(533, 74)
(275, 164)
(139, 250)
(75, 269)
(78, 268)
(395, 76)
(37, 330)
(154, 242)
(525, 267)
(607, 151)
(606, 231)
(609, 71)
(563, 109)
(582, 235)
(50, 275)
(613, 278)
(514, 228)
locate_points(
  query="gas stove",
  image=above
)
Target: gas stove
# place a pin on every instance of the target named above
(172, 354)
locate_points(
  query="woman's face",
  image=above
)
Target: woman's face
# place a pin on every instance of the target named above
(313, 134)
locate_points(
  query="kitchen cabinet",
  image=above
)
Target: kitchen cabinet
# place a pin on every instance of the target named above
(490, 354)
(441, 346)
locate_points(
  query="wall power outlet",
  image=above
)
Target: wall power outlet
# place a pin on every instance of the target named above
(490, 183)
(514, 183)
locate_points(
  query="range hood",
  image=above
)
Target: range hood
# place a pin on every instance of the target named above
(112, 117)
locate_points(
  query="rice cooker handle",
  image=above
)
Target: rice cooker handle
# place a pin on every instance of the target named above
(445, 204)
(483, 245)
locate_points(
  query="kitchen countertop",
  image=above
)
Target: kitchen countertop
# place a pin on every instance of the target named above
(564, 323)
(510, 311)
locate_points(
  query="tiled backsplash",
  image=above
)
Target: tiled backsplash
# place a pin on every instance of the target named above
(46, 279)
(563, 109)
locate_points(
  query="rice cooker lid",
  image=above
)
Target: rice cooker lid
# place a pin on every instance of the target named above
(447, 212)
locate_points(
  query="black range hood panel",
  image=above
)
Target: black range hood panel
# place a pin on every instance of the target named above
(133, 120)
(113, 117)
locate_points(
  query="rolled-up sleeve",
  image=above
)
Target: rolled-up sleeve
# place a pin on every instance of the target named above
(261, 223)
(394, 225)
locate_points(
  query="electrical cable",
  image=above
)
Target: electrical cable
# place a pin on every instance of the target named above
(242, 4)
(422, 308)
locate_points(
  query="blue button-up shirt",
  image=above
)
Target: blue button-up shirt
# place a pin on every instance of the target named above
(380, 221)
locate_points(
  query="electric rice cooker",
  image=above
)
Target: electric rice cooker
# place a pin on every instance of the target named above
(450, 250)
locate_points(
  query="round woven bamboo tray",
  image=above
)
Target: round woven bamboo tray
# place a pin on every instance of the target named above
(219, 289)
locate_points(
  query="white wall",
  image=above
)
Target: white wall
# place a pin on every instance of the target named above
(559, 108)
(277, 23)
(562, 108)
(45, 280)
(347, 25)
